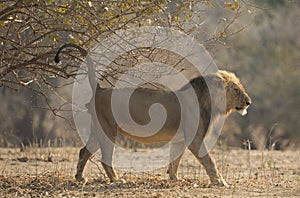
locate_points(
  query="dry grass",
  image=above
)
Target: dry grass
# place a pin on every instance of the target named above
(250, 173)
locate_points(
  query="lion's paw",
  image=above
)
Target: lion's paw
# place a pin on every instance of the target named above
(221, 183)
(121, 181)
(173, 178)
(80, 178)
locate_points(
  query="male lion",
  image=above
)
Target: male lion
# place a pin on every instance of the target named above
(236, 100)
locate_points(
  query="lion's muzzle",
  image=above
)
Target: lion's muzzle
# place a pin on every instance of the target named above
(243, 110)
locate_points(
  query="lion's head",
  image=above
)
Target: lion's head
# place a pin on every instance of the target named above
(236, 97)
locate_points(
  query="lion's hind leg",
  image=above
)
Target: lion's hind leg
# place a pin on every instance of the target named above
(85, 153)
(107, 146)
(176, 152)
(107, 150)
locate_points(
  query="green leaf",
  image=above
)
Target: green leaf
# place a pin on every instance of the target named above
(236, 4)
(68, 22)
(53, 37)
(230, 6)
(73, 41)
(62, 10)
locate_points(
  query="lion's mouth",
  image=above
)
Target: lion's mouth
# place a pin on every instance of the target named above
(242, 110)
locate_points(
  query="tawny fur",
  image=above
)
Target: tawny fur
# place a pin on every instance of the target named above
(236, 100)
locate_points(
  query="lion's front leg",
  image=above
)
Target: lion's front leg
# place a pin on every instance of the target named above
(210, 167)
(176, 152)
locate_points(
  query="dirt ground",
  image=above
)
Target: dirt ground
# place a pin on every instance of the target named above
(49, 172)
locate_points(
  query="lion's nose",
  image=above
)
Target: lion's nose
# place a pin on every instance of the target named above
(248, 102)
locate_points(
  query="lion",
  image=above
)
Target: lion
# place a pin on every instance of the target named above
(100, 106)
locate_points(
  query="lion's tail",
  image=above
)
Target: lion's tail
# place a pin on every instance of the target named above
(92, 80)
(91, 70)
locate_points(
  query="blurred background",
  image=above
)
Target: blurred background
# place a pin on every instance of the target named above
(258, 40)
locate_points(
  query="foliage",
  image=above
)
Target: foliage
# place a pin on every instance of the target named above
(31, 31)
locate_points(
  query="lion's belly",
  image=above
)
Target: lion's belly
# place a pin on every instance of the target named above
(161, 136)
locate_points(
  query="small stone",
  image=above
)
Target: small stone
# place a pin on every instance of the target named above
(22, 159)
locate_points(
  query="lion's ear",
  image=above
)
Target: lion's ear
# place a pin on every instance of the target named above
(215, 83)
(218, 78)
(215, 80)
(217, 90)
